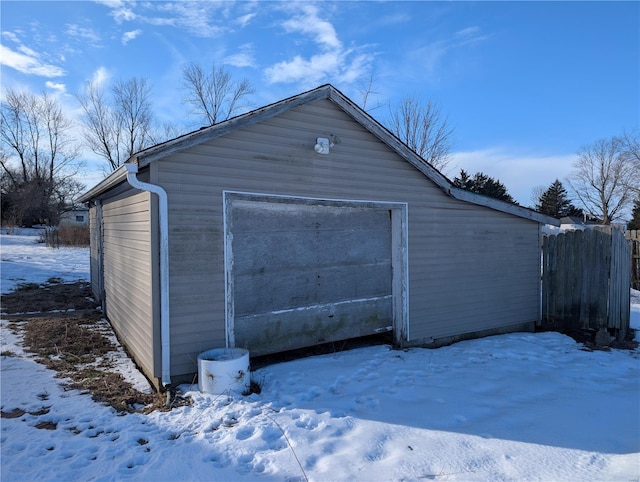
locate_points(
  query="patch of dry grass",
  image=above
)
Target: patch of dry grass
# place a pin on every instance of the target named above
(71, 343)
(53, 295)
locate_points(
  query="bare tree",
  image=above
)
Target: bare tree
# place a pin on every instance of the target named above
(118, 127)
(536, 194)
(631, 150)
(38, 158)
(631, 145)
(422, 127)
(214, 95)
(366, 92)
(133, 111)
(604, 178)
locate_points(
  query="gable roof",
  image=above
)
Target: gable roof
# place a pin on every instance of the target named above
(327, 91)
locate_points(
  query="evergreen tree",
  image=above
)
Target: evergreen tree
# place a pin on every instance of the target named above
(635, 219)
(482, 184)
(555, 202)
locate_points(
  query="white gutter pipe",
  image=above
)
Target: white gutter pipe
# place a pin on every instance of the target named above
(163, 215)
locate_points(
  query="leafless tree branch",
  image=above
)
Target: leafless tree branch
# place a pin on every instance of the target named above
(424, 129)
(214, 95)
(38, 157)
(604, 178)
(118, 127)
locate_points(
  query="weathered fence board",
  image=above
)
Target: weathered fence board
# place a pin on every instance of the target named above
(585, 281)
(635, 263)
(633, 238)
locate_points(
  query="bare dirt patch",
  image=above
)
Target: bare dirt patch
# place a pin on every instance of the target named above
(46, 425)
(72, 343)
(15, 413)
(54, 295)
(587, 339)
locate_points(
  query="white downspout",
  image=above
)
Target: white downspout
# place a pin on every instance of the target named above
(163, 215)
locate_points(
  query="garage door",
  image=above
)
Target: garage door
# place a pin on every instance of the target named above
(305, 273)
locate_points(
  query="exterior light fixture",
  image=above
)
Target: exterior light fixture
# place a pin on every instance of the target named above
(322, 145)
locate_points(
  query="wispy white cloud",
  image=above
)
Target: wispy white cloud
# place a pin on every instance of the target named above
(121, 11)
(308, 22)
(100, 77)
(332, 61)
(111, 3)
(469, 35)
(426, 60)
(320, 67)
(243, 58)
(244, 20)
(520, 173)
(355, 66)
(28, 62)
(240, 60)
(23, 49)
(128, 36)
(394, 19)
(86, 35)
(314, 68)
(10, 36)
(202, 19)
(58, 87)
(197, 18)
(468, 32)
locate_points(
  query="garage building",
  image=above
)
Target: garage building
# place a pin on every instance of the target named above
(296, 224)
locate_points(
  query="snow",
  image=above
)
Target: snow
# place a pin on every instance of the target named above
(523, 406)
(24, 260)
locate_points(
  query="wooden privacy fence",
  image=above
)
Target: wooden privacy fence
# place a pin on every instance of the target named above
(633, 238)
(585, 281)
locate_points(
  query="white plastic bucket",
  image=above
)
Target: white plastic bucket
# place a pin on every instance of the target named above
(224, 369)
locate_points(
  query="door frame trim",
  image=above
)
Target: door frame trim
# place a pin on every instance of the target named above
(399, 252)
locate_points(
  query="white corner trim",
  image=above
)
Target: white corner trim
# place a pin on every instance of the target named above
(163, 215)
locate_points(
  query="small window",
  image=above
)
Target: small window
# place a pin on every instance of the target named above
(80, 218)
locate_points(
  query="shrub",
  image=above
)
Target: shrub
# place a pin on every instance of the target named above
(67, 236)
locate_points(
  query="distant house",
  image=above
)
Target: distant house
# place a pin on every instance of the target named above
(300, 223)
(75, 216)
(572, 223)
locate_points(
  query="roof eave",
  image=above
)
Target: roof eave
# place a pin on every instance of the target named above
(429, 171)
(327, 91)
(505, 207)
(112, 180)
(218, 130)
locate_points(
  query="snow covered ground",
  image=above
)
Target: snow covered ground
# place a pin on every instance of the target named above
(24, 260)
(511, 407)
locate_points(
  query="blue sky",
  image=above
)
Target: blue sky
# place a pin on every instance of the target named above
(524, 84)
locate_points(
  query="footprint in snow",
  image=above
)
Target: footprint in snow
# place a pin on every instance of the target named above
(337, 386)
(218, 460)
(248, 463)
(378, 451)
(132, 465)
(310, 394)
(294, 378)
(372, 376)
(363, 402)
(307, 423)
(244, 433)
(274, 438)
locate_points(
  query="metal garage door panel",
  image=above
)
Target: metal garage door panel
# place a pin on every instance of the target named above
(307, 274)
